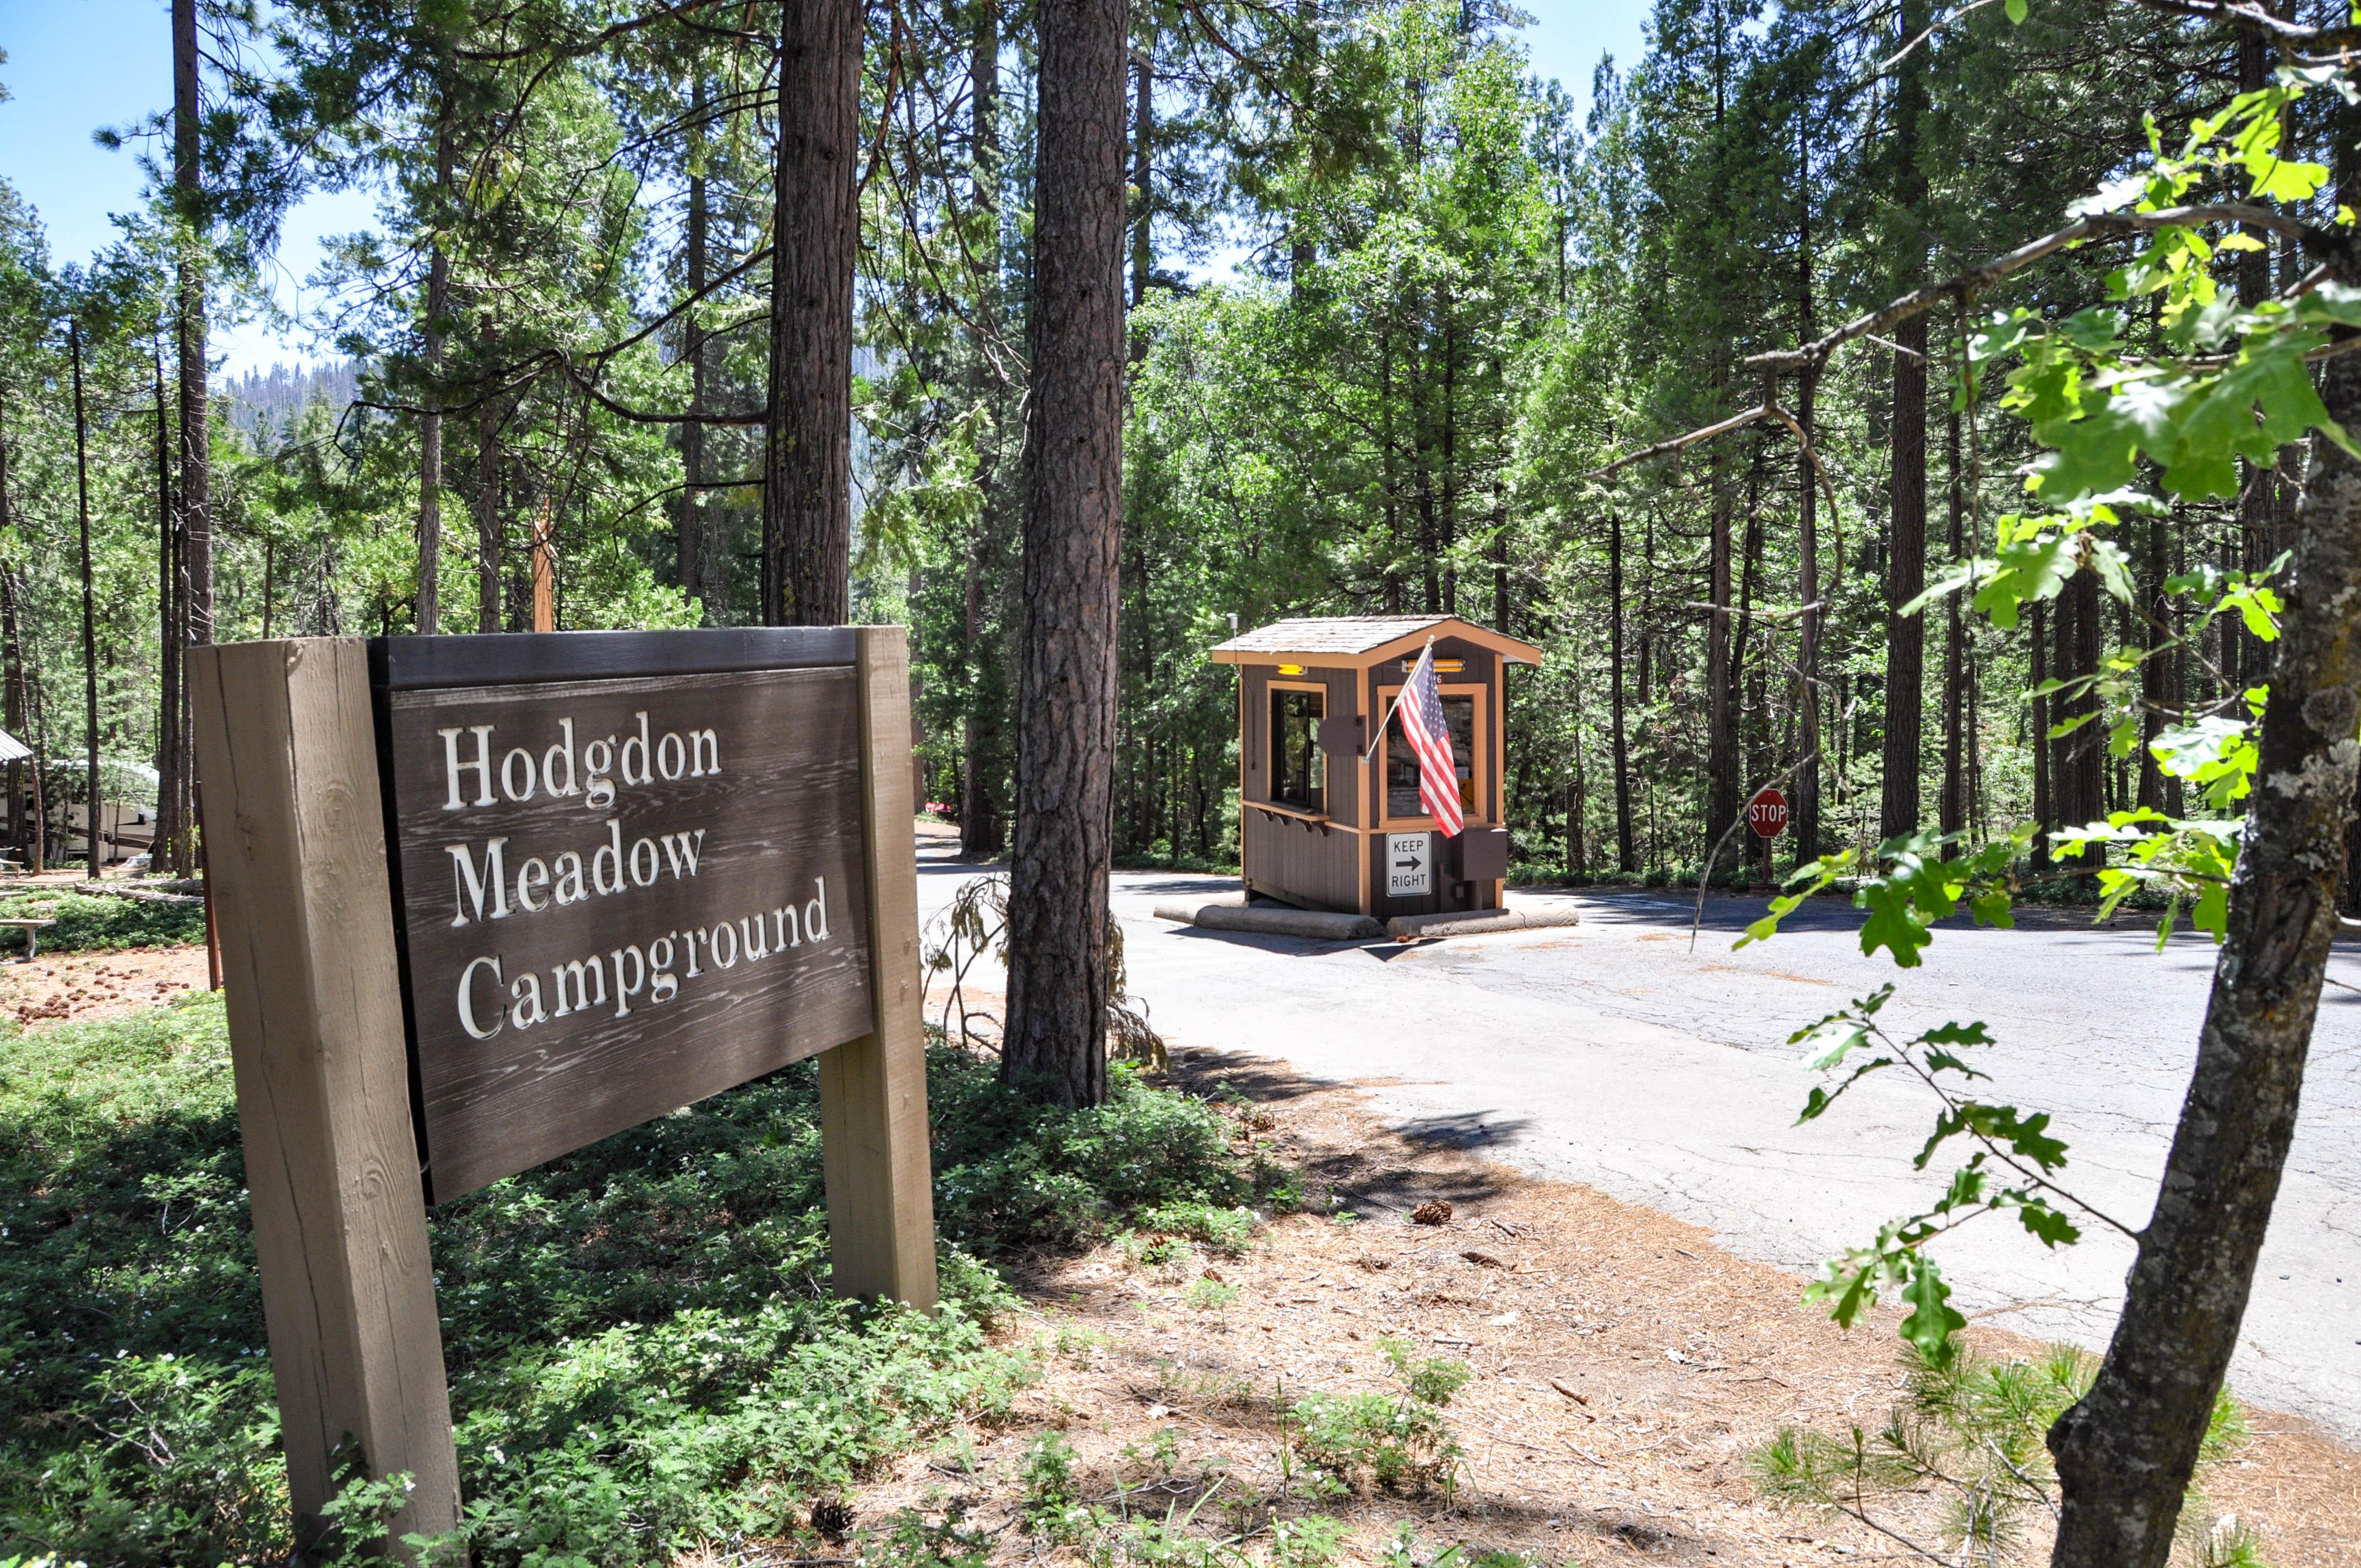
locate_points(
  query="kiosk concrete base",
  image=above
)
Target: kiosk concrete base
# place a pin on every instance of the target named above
(1412, 927)
(1274, 920)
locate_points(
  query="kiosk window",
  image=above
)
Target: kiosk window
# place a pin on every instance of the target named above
(1401, 762)
(1299, 775)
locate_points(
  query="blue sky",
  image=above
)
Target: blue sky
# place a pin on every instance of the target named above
(76, 65)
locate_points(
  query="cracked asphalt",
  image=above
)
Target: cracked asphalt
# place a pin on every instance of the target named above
(1613, 1054)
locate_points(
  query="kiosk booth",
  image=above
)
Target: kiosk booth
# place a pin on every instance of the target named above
(1325, 821)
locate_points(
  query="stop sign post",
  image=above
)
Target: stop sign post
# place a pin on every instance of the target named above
(1767, 813)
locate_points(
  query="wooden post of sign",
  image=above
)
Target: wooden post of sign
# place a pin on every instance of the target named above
(873, 1091)
(294, 833)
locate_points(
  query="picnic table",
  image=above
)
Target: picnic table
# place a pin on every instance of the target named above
(32, 928)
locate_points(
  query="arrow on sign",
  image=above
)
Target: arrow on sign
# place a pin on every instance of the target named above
(1414, 862)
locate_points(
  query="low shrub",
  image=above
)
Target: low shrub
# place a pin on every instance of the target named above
(643, 1348)
(104, 923)
(1972, 1432)
(1010, 1171)
(1385, 1439)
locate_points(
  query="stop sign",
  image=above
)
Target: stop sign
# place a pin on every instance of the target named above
(1767, 812)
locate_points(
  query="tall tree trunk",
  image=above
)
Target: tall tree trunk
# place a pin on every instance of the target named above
(1721, 702)
(1808, 772)
(807, 443)
(2078, 774)
(1056, 1039)
(1905, 635)
(427, 613)
(2155, 674)
(979, 738)
(12, 676)
(691, 548)
(1449, 527)
(95, 804)
(1905, 648)
(196, 443)
(1625, 861)
(38, 705)
(168, 735)
(1647, 622)
(2045, 806)
(1386, 467)
(12, 693)
(1950, 806)
(2126, 1450)
(489, 617)
(1143, 168)
(1503, 617)
(1750, 561)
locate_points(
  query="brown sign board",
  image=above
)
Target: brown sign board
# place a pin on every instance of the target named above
(617, 894)
(483, 900)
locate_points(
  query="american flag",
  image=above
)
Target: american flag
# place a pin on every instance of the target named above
(1419, 708)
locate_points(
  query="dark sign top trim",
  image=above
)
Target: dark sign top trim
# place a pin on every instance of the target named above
(417, 663)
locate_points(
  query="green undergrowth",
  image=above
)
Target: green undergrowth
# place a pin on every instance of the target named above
(101, 923)
(1970, 1433)
(643, 1349)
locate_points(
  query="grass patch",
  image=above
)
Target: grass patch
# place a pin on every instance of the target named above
(643, 1350)
(101, 923)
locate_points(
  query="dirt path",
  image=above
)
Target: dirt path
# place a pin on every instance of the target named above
(1625, 1368)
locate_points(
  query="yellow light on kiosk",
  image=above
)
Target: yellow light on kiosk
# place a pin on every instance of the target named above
(1450, 666)
(1290, 669)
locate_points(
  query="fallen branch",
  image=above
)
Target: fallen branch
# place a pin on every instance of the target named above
(1663, 448)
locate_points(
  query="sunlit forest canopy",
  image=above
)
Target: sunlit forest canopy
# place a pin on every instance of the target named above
(1395, 301)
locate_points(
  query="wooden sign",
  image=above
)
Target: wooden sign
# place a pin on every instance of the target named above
(484, 900)
(619, 896)
(1767, 813)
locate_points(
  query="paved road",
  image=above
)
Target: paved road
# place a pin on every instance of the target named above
(1612, 1053)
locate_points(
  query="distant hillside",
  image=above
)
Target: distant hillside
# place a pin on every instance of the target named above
(275, 396)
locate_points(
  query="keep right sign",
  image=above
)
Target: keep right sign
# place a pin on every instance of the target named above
(1409, 865)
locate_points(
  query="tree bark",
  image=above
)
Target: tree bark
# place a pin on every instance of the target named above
(2126, 1450)
(2155, 674)
(196, 439)
(691, 548)
(1906, 651)
(1807, 832)
(427, 613)
(39, 712)
(2045, 806)
(2077, 778)
(1625, 858)
(12, 683)
(93, 803)
(488, 518)
(168, 749)
(1055, 1037)
(1721, 725)
(1950, 806)
(979, 738)
(1905, 635)
(1143, 164)
(807, 445)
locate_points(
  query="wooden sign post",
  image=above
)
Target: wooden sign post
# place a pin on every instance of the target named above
(485, 900)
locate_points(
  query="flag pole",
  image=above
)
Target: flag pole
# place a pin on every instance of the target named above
(1397, 703)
